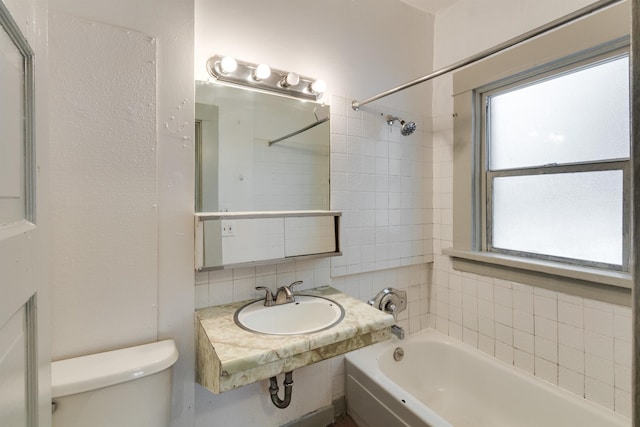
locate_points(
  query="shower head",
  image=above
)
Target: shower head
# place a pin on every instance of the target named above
(407, 127)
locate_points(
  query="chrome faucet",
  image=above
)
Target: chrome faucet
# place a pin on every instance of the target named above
(391, 301)
(283, 295)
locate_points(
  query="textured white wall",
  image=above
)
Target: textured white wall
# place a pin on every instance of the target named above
(103, 170)
(122, 180)
(581, 345)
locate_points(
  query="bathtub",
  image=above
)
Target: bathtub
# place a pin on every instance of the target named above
(443, 383)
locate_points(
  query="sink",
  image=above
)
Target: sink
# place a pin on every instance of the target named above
(306, 315)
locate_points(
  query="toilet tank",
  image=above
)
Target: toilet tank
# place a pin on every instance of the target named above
(130, 387)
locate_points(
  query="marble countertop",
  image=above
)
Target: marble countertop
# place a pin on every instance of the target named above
(228, 356)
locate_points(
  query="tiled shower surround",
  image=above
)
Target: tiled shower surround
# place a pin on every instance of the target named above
(578, 344)
(396, 198)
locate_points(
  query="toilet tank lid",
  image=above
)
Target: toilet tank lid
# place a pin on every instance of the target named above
(94, 371)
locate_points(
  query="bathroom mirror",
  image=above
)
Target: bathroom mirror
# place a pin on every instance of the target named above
(259, 152)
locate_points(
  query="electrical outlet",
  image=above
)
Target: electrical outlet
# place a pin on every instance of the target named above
(228, 228)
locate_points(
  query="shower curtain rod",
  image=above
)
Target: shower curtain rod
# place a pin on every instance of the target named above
(486, 53)
(299, 131)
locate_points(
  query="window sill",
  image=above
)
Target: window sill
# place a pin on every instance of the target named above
(603, 285)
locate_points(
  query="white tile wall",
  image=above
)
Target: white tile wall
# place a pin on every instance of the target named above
(581, 345)
(381, 181)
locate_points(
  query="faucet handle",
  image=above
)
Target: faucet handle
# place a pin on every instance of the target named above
(268, 298)
(296, 283)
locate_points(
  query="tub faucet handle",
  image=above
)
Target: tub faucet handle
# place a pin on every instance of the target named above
(391, 308)
(391, 301)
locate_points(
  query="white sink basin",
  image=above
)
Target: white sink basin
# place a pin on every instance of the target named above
(306, 315)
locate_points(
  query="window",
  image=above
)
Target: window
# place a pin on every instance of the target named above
(541, 171)
(555, 160)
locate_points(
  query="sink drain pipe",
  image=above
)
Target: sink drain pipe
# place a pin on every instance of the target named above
(288, 388)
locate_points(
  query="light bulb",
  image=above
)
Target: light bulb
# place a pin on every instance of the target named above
(318, 86)
(261, 72)
(228, 65)
(291, 79)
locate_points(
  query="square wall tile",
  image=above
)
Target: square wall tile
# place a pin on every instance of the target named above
(523, 321)
(599, 392)
(599, 345)
(622, 377)
(571, 380)
(571, 358)
(546, 370)
(546, 328)
(486, 344)
(504, 352)
(571, 336)
(524, 361)
(546, 307)
(546, 349)
(599, 369)
(600, 322)
(571, 314)
(622, 403)
(524, 341)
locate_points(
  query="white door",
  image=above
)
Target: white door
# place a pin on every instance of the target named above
(24, 345)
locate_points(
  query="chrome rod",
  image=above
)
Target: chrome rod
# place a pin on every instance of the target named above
(486, 53)
(299, 131)
(635, 232)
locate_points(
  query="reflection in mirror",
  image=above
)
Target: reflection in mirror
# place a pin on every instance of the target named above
(259, 152)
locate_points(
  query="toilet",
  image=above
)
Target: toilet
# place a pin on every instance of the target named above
(130, 387)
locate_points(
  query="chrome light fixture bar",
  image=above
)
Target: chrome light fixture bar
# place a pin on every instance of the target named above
(262, 77)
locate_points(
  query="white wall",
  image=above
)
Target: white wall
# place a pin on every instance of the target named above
(581, 345)
(358, 47)
(122, 172)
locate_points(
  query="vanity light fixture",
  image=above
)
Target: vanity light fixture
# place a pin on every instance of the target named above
(262, 77)
(291, 79)
(228, 64)
(261, 72)
(318, 86)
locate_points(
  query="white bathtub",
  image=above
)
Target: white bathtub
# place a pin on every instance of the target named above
(442, 383)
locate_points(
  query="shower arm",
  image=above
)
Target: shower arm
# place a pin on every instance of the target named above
(486, 53)
(391, 119)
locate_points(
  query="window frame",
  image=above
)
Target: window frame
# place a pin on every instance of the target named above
(485, 174)
(549, 53)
